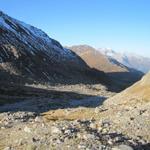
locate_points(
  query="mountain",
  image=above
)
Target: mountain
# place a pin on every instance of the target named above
(96, 59)
(139, 92)
(27, 54)
(119, 73)
(130, 60)
(130, 109)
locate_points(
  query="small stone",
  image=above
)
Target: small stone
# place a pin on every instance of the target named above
(110, 142)
(38, 119)
(79, 135)
(93, 125)
(118, 139)
(81, 146)
(20, 142)
(96, 110)
(7, 148)
(31, 147)
(106, 124)
(58, 141)
(100, 128)
(28, 130)
(6, 123)
(43, 125)
(104, 130)
(88, 136)
(122, 147)
(67, 132)
(55, 130)
(35, 126)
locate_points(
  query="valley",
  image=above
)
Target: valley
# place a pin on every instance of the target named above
(67, 98)
(69, 118)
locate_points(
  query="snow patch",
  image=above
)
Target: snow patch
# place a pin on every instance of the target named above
(35, 38)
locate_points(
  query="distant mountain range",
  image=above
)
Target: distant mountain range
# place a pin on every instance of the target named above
(130, 60)
(96, 59)
(118, 72)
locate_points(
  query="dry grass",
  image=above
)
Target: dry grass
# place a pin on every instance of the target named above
(76, 114)
(142, 91)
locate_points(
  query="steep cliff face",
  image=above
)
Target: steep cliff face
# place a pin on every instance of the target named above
(27, 52)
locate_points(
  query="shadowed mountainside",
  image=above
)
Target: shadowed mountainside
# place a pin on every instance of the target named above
(28, 53)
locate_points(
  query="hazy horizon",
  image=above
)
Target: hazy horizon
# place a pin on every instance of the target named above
(119, 25)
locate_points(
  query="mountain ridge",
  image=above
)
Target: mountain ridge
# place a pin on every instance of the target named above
(135, 61)
(120, 74)
(27, 51)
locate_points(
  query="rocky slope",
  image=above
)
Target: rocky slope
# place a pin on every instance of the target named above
(130, 109)
(122, 75)
(71, 121)
(131, 60)
(139, 92)
(27, 54)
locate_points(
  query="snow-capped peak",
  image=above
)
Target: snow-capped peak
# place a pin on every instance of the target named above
(130, 60)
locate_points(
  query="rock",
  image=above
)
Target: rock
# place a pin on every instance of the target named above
(88, 136)
(122, 147)
(38, 119)
(93, 125)
(58, 141)
(67, 132)
(79, 135)
(7, 148)
(104, 130)
(20, 142)
(2, 128)
(118, 139)
(55, 130)
(43, 125)
(96, 110)
(6, 123)
(106, 123)
(81, 146)
(31, 147)
(27, 129)
(110, 142)
(99, 128)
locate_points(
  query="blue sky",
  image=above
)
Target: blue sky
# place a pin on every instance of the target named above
(123, 25)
